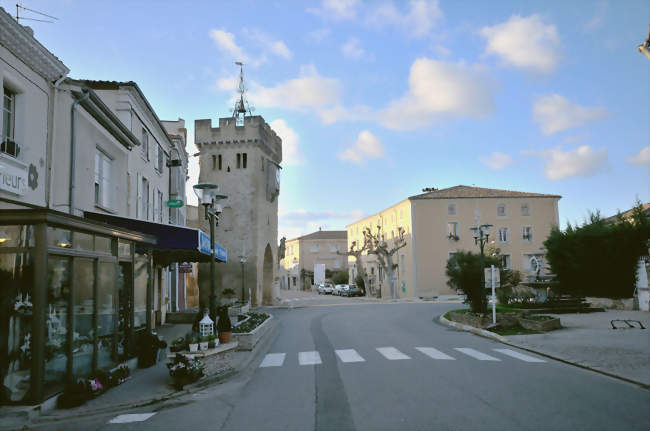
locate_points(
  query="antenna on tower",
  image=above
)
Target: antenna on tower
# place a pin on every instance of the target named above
(241, 106)
(18, 17)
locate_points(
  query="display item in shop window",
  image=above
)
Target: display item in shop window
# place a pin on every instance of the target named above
(23, 306)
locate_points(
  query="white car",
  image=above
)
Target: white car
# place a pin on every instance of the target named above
(340, 288)
(325, 288)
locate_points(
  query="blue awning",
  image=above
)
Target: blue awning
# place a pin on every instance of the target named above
(173, 243)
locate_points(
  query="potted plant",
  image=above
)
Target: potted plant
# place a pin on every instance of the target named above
(193, 343)
(224, 326)
(213, 341)
(203, 345)
(184, 370)
(178, 345)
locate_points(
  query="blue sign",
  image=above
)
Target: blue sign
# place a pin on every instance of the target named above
(204, 247)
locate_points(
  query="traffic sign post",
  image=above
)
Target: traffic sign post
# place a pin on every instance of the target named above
(494, 276)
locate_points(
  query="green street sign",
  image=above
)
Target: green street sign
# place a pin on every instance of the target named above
(174, 203)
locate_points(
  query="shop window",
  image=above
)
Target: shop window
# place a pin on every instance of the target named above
(59, 238)
(83, 308)
(140, 291)
(106, 314)
(58, 292)
(16, 236)
(16, 308)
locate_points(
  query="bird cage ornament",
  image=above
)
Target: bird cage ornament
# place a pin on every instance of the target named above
(206, 326)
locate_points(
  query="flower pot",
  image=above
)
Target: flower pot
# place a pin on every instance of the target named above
(194, 347)
(203, 345)
(224, 337)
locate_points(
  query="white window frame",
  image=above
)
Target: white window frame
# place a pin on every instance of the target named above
(144, 200)
(524, 230)
(504, 235)
(101, 182)
(159, 155)
(10, 134)
(145, 144)
(451, 231)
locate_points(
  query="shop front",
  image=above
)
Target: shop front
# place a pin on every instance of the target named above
(74, 297)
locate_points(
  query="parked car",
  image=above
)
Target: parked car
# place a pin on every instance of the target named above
(339, 288)
(325, 288)
(353, 291)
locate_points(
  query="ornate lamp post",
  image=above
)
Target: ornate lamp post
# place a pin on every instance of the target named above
(207, 194)
(481, 235)
(242, 261)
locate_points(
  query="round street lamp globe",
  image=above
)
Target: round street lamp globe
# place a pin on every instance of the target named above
(205, 192)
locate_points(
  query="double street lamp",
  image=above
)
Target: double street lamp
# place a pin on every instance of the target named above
(481, 235)
(207, 194)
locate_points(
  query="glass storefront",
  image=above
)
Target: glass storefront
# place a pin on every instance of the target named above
(91, 291)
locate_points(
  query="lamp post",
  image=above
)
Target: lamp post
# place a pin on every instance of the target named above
(207, 194)
(481, 234)
(242, 261)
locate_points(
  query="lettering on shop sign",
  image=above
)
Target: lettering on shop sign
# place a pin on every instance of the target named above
(12, 179)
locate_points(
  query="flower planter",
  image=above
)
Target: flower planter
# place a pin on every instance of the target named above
(540, 325)
(203, 345)
(224, 337)
(194, 347)
(470, 319)
(248, 340)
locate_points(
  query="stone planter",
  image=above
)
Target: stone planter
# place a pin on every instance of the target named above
(470, 319)
(540, 325)
(236, 311)
(248, 340)
(215, 360)
(508, 320)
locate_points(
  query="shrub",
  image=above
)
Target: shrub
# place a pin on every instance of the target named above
(224, 324)
(228, 293)
(465, 273)
(184, 370)
(599, 258)
(340, 277)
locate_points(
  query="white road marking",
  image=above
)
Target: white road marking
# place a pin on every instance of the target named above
(434, 353)
(349, 355)
(518, 355)
(273, 360)
(476, 354)
(125, 419)
(392, 353)
(309, 358)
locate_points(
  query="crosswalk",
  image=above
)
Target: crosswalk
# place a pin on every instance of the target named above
(393, 354)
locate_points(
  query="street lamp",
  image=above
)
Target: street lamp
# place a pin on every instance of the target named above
(481, 235)
(242, 261)
(207, 194)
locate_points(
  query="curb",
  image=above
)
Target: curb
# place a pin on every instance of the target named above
(473, 330)
(189, 389)
(504, 340)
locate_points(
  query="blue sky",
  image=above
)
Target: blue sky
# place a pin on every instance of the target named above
(377, 99)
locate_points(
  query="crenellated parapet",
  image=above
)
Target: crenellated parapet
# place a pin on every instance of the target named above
(254, 130)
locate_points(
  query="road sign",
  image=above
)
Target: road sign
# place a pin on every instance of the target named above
(174, 203)
(488, 278)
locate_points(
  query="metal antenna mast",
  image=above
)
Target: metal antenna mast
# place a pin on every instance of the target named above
(18, 17)
(241, 106)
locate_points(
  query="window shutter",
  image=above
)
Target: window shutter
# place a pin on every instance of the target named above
(138, 204)
(155, 204)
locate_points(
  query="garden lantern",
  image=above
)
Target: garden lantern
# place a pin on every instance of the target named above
(206, 325)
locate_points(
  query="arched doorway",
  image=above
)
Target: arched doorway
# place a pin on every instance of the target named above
(267, 277)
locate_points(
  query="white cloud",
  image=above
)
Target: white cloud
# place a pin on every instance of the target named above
(309, 92)
(291, 154)
(226, 42)
(582, 162)
(319, 34)
(228, 83)
(352, 48)
(524, 42)
(555, 113)
(642, 159)
(368, 146)
(417, 21)
(497, 161)
(337, 9)
(268, 44)
(279, 48)
(440, 89)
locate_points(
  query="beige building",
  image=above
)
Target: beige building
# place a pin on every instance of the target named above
(302, 253)
(437, 224)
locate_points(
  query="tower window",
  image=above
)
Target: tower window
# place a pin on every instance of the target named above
(244, 159)
(214, 162)
(238, 160)
(219, 161)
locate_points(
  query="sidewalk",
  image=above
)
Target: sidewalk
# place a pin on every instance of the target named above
(588, 340)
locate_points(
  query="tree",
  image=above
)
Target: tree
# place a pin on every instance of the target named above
(644, 48)
(340, 277)
(464, 272)
(356, 252)
(377, 245)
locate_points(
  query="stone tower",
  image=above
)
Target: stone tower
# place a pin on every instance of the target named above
(242, 156)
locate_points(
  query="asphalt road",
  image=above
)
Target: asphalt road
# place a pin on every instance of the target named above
(368, 374)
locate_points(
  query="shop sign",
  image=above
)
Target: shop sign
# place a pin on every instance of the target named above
(174, 203)
(12, 179)
(204, 246)
(185, 267)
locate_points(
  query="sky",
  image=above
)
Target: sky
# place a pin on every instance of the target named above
(375, 100)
